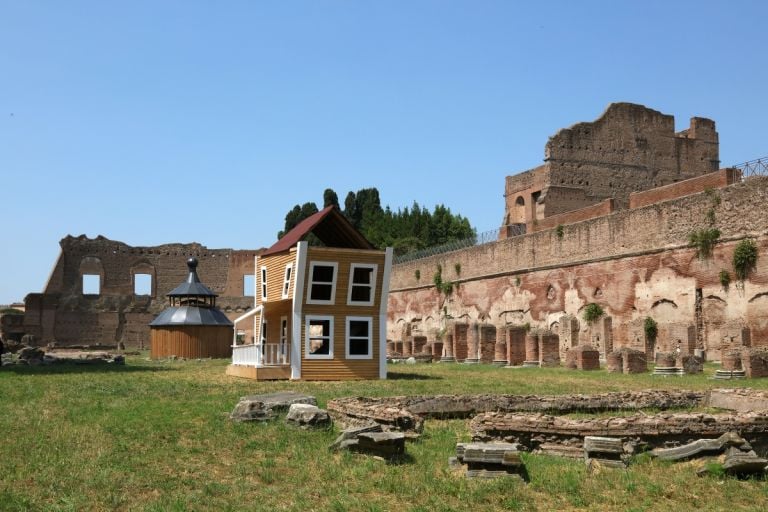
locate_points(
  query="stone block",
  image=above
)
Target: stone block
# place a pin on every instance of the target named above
(614, 362)
(731, 360)
(634, 361)
(755, 362)
(690, 364)
(308, 416)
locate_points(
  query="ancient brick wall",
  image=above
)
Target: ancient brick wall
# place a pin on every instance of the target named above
(590, 212)
(713, 180)
(64, 314)
(635, 263)
(629, 148)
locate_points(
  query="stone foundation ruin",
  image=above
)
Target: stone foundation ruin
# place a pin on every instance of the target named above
(541, 424)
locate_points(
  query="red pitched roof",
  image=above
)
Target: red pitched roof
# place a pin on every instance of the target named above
(330, 226)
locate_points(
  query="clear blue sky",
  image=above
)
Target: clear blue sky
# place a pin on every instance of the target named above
(156, 121)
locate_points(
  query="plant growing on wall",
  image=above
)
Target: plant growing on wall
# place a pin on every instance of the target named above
(444, 287)
(711, 216)
(559, 231)
(417, 274)
(725, 279)
(704, 240)
(651, 329)
(592, 312)
(744, 258)
(457, 268)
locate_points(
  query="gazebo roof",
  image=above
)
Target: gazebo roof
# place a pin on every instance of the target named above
(192, 287)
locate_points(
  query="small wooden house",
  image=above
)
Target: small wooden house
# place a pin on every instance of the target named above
(191, 326)
(320, 312)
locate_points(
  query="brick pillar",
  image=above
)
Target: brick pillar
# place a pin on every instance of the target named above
(473, 344)
(531, 349)
(549, 350)
(390, 348)
(487, 346)
(408, 347)
(448, 349)
(437, 350)
(515, 345)
(460, 334)
(500, 347)
(418, 344)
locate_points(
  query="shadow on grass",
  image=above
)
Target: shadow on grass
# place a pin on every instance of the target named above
(411, 376)
(64, 368)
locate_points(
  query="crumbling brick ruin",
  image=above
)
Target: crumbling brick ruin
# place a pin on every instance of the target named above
(646, 190)
(629, 148)
(113, 312)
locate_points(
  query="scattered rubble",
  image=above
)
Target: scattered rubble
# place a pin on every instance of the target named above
(604, 451)
(702, 447)
(371, 440)
(264, 407)
(491, 460)
(307, 416)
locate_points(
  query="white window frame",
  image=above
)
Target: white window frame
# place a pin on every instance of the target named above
(369, 320)
(263, 279)
(307, 320)
(283, 347)
(374, 267)
(312, 265)
(287, 280)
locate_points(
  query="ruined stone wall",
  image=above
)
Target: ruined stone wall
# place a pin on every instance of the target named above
(62, 313)
(590, 212)
(629, 148)
(634, 263)
(713, 180)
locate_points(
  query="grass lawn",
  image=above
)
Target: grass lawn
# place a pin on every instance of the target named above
(154, 435)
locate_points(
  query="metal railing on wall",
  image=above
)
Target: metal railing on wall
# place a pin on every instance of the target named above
(757, 167)
(479, 239)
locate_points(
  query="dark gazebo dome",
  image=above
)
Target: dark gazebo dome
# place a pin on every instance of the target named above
(191, 303)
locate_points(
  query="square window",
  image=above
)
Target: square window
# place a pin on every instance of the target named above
(91, 284)
(362, 284)
(142, 284)
(319, 337)
(359, 337)
(322, 284)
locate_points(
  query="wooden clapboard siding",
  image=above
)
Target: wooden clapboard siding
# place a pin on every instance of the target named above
(191, 341)
(275, 275)
(340, 368)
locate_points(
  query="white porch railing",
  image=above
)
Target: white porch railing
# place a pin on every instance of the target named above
(268, 354)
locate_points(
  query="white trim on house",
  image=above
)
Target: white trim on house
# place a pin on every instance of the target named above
(302, 248)
(369, 338)
(383, 313)
(312, 265)
(287, 280)
(242, 317)
(371, 286)
(256, 299)
(318, 318)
